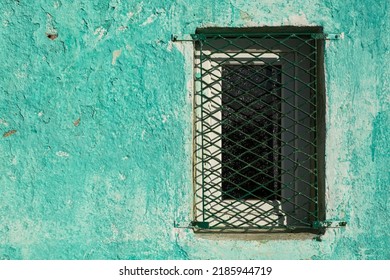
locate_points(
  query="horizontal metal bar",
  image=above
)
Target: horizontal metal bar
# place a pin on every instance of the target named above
(329, 224)
(200, 37)
(334, 36)
(181, 38)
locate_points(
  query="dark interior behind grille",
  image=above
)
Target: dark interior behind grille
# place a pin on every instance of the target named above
(250, 118)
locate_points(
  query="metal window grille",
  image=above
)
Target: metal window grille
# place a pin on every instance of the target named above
(258, 131)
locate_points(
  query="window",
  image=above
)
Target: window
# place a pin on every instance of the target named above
(258, 129)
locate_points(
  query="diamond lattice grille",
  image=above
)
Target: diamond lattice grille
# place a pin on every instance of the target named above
(256, 118)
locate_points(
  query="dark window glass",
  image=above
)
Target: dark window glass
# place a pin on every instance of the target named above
(251, 128)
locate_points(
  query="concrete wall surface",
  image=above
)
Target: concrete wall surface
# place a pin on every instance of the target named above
(96, 120)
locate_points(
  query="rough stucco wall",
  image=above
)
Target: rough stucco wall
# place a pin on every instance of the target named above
(95, 158)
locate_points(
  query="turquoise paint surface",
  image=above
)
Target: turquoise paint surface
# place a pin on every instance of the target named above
(95, 158)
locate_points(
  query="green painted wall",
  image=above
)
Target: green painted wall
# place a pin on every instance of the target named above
(95, 123)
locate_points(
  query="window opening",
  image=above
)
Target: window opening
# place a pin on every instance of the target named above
(258, 130)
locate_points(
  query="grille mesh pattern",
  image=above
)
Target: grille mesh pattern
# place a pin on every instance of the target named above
(255, 131)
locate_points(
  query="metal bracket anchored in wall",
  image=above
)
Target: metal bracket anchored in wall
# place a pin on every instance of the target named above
(329, 36)
(323, 225)
(334, 36)
(329, 224)
(181, 38)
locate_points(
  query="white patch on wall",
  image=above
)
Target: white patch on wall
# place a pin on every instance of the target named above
(3, 122)
(164, 118)
(149, 20)
(138, 10)
(25, 231)
(122, 28)
(187, 49)
(62, 154)
(22, 71)
(40, 114)
(297, 20)
(100, 32)
(49, 24)
(57, 4)
(122, 177)
(130, 15)
(115, 55)
(20, 74)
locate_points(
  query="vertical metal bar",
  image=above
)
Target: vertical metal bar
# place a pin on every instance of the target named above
(321, 129)
(315, 132)
(296, 132)
(202, 122)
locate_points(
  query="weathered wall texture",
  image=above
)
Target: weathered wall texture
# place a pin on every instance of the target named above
(95, 123)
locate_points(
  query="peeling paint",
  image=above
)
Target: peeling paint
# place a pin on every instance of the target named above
(115, 55)
(62, 154)
(164, 118)
(3, 122)
(50, 28)
(9, 133)
(122, 177)
(149, 20)
(297, 20)
(77, 122)
(100, 32)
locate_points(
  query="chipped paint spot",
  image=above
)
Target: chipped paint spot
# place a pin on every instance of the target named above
(137, 12)
(9, 133)
(115, 55)
(100, 32)
(164, 118)
(3, 122)
(50, 29)
(245, 16)
(52, 36)
(130, 15)
(298, 20)
(62, 154)
(76, 122)
(122, 177)
(122, 28)
(149, 20)
(57, 4)
(20, 74)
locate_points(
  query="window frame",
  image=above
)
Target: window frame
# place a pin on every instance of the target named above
(248, 209)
